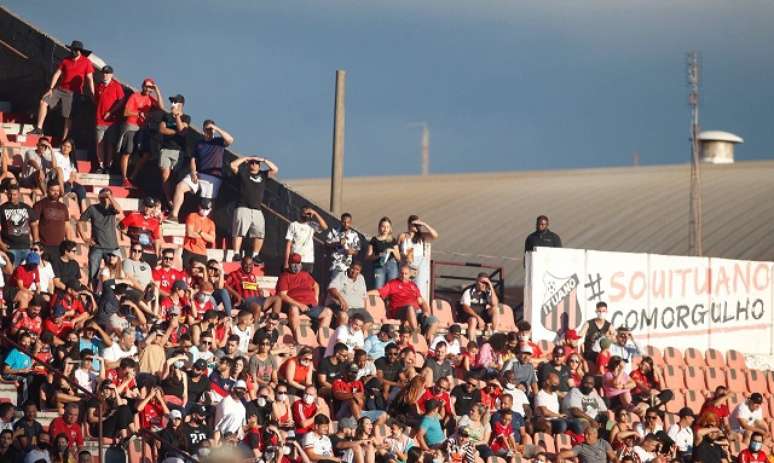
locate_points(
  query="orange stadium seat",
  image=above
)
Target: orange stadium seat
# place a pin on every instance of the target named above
(771, 409)
(735, 359)
(324, 335)
(694, 399)
(546, 441)
(562, 442)
(673, 356)
(654, 353)
(736, 380)
(308, 337)
(694, 379)
(715, 378)
(734, 399)
(420, 343)
(674, 377)
(756, 381)
(375, 306)
(502, 319)
(442, 310)
(714, 358)
(420, 361)
(694, 358)
(678, 402)
(770, 380)
(670, 419)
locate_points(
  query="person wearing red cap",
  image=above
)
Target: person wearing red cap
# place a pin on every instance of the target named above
(570, 341)
(135, 111)
(67, 81)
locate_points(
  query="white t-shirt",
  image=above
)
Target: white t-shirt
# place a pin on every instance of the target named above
(519, 400)
(353, 341)
(114, 353)
(86, 379)
(683, 437)
(230, 416)
(743, 411)
(301, 236)
(244, 336)
(46, 274)
(452, 348)
(645, 456)
(321, 445)
(548, 400)
(353, 291)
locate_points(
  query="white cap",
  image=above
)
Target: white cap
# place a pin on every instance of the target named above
(175, 414)
(241, 384)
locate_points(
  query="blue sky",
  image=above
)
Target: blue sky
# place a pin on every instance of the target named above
(504, 85)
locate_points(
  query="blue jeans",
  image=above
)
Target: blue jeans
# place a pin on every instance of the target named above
(383, 274)
(18, 255)
(222, 296)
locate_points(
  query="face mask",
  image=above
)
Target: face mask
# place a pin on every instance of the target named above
(523, 337)
(204, 212)
(510, 386)
(204, 451)
(600, 314)
(285, 450)
(261, 401)
(295, 268)
(755, 446)
(282, 397)
(309, 399)
(586, 390)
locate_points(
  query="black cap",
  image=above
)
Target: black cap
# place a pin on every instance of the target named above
(149, 201)
(756, 398)
(74, 284)
(205, 203)
(107, 69)
(200, 364)
(177, 99)
(404, 330)
(455, 329)
(685, 412)
(386, 328)
(200, 409)
(75, 45)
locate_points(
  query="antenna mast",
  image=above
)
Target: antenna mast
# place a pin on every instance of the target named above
(695, 225)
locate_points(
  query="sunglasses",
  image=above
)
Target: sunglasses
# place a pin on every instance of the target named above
(136, 250)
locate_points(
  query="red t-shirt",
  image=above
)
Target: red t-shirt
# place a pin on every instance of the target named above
(139, 103)
(500, 434)
(22, 321)
(107, 95)
(721, 411)
(142, 229)
(166, 277)
(244, 284)
(489, 399)
(167, 304)
(58, 330)
(74, 72)
(68, 304)
(72, 431)
(300, 286)
(746, 456)
(26, 276)
(400, 294)
(151, 415)
(301, 412)
(429, 395)
(114, 376)
(347, 387)
(602, 359)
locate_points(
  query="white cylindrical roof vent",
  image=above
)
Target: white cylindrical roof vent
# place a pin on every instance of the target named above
(717, 147)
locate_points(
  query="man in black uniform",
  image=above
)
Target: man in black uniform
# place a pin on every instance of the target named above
(542, 236)
(248, 218)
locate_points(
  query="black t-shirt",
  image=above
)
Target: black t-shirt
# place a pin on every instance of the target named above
(464, 400)
(15, 225)
(196, 389)
(273, 335)
(195, 435)
(103, 225)
(390, 371)
(330, 370)
(251, 187)
(66, 271)
(381, 246)
(708, 452)
(564, 374)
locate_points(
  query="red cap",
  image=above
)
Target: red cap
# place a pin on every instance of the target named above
(147, 81)
(572, 335)
(294, 258)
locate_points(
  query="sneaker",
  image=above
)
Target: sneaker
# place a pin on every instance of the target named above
(236, 257)
(35, 131)
(257, 259)
(100, 170)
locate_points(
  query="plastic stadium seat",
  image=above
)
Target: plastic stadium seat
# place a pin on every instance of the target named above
(734, 399)
(286, 336)
(547, 347)
(375, 306)
(678, 402)
(694, 379)
(308, 337)
(756, 381)
(670, 419)
(562, 442)
(694, 399)
(714, 358)
(715, 378)
(420, 361)
(420, 343)
(736, 380)
(673, 356)
(694, 358)
(735, 359)
(502, 320)
(546, 441)
(442, 310)
(654, 353)
(770, 380)
(674, 377)
(324, 336)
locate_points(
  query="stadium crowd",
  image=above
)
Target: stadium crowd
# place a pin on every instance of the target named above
(172, 344)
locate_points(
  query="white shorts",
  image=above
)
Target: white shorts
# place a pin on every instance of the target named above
(207, 187)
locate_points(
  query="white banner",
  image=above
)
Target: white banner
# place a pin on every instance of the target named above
(666, 300)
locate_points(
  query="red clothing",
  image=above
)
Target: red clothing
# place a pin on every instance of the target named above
(114, 376)
(430, 395)
(399, 294)
(142, 229)
(537, 352)
(302, 411)
(347, 387)
(22, 321)
(489, 399)
(72, 431)
(746, 456)
(166, 277)
(601, 363)
(59, 330)
(26, 276)
(151, 415)
(721, 411)
(141, 104)
(639, 377)
(300, 286)
(301, 370)
(107, 95)
(167, 304)
(68, 304)
(74, 72)
(500, 434)
(244, 284)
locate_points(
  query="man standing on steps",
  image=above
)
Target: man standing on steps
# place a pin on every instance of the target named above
(15, 230)
(206, 167)
(135, 111)
(248, 218)
(103, 240)
(66, 83)
(143, 228)
(51, 221)
(108, 98)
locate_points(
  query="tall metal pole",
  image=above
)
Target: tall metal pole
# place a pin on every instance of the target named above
(425, 150)
(695, 229)
(337, 168)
